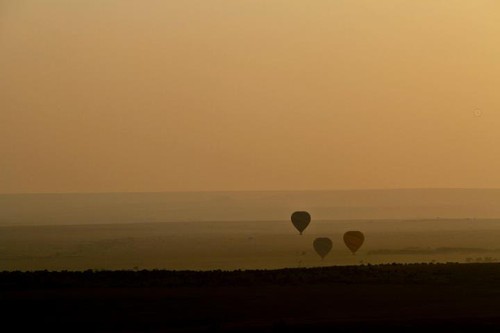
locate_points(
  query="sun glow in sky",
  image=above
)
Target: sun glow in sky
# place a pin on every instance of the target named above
(248, 95)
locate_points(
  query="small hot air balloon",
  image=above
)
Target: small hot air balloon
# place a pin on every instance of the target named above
(322, 246)
(353, 240)
(301, 220)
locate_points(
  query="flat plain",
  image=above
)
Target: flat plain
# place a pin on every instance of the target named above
(244, 245)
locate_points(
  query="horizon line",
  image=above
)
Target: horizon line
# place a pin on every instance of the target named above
(274, 190)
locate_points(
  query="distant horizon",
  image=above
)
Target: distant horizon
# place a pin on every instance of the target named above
(257, 191)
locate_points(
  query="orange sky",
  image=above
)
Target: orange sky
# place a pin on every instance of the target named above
(248, 95)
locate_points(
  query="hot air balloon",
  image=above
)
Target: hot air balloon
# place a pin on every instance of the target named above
(301, 220)
(353, 240)
(322, 246)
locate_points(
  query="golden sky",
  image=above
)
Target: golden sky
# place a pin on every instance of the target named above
(248, 95)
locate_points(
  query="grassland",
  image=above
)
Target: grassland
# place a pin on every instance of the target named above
(396, 297)
(243, 245)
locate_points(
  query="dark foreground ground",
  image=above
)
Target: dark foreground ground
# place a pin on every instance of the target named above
(434, 297)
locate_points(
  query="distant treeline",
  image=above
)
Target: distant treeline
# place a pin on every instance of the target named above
(431, 251)
(450, 273)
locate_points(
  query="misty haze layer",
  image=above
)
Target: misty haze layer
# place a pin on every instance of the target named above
(113, 208)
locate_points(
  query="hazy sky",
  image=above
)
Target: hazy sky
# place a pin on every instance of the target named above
(248, 94)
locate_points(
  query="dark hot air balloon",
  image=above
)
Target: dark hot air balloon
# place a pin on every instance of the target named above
(301, 220)
(322, 246)
(353, 240)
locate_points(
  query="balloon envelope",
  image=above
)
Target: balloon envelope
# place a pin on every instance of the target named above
(301, 220)
(353, 240)
(322, 246)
